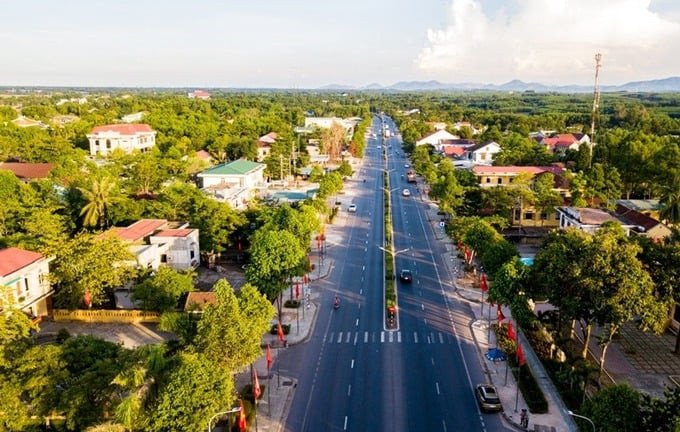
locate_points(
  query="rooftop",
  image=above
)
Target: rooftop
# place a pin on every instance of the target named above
(237, 167)
(28, 171)
(14, 259)
(123, 129)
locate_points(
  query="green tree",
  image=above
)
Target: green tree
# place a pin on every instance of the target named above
(547, 198)
(161, 291)
(15, 337)
(613, 409)
(231, 330)
(661, 414)
(91, 264)
(316, 175)
(194, 391)
(345, 169)
(99, 196)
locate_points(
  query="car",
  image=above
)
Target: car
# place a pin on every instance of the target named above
(487, 397)
(406, 192)
(405, 275)
(352, 208)
(407, 166)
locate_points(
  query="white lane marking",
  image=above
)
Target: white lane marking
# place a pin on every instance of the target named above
(391, 338)
(339, 337)
(441, 338)
(349, 335)
(361, 290)
(349, 390)
(415, 337)
(432, 360)
(437, 385)
(382, 337)
(444, 425)
(357, 323)
(363, 268)
(352, 364)
(422, 306)
(356, 336)
(428, 339)
(399, 337)
(345, 426)
(365, 337)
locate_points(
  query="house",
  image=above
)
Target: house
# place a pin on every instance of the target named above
(436, 125)
(61, 120)
(589, 220)
(453, 150)
(199, 94)
(503, 175)
(434, 139)
(644, 225)
(156, 242)
(562, 142)
(24, 282)
(132, 118)
(235, 182)
(28, 171)
(127, 137)
(460, 125)
(264, 145)
(411, 111)
(327, 122)
(205, 156)
(483, 153)
(648, 207)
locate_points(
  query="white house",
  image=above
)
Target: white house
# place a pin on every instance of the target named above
(589, 220)
(483, 153)
(264, 145)
(24, 282)
(460, 125)
(327, 122)
(235, 182)
(435, 138)
(127, 137)
(156, 242)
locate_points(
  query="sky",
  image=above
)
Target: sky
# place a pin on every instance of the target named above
(312, 43)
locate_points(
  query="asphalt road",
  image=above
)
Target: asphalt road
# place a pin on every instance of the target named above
(355, 375)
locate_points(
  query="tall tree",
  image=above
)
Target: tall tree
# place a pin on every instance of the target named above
(161, 291)
(100, 195)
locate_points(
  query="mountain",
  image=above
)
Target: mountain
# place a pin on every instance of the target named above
(671, 84)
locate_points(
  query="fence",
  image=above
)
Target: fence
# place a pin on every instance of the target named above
(106, 316)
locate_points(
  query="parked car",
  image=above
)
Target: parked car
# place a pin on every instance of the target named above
(406, 192)
(405, 276)
(487, 397)
(352, 208)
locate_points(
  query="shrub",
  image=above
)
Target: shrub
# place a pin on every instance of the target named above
(293, 304)
(275, 329)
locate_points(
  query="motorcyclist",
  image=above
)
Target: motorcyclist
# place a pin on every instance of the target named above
(336, 302)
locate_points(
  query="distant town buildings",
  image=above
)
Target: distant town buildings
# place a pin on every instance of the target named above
(199, 94)
(235, 182)
(127, 137)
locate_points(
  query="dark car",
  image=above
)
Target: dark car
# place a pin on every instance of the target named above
(487, 397)
(405, 275)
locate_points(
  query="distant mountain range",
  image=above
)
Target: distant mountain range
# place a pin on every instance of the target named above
(671, 84)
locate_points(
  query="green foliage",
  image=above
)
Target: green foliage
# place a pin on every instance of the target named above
(330, 184)
(161, 291)
(613, 409)
(99, 196)
(661, 414)
(316, 175)
(345, 169)
(15, 337)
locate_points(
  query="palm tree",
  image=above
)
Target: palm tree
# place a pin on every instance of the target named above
(670, 210)
(99, 196)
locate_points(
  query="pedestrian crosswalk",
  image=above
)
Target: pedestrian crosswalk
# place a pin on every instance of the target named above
(379, 337)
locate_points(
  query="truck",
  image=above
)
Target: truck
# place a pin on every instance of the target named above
(411, 176)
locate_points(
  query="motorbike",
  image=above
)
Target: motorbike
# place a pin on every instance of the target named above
(336, 303)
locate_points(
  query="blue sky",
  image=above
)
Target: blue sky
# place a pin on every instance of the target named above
(311, 43)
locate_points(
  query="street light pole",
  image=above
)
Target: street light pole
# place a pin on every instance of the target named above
(573, 414)
(231, 411)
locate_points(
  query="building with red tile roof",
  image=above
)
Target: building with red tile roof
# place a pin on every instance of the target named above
(264, 145)
(127, 137)
(199, 94)
(24, 282)
(644, 225)
(28, 171)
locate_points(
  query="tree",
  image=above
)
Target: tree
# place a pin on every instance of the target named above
(661, 414)
(275, 256)
(15, 337)
(161, 291)
(345, 169)
(547, 198)
(316, 175)
(230, 331)
(98, 196)
(90, 264)
(333, 141)
(613, 409)
(195, 390)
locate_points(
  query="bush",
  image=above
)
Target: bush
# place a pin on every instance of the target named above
(293, 304)
(275, 329)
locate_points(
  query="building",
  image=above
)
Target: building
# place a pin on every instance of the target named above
(199, 94)
(483, 153)
(460, 125)
(264, 145)
(562, 142)
(589, 220)
(644, 225)
(503, 175)
(327, 122)
(24, 282)
(156, 242)
(434, 139)
(235, 182)
(132, 118)
(28, 171)
(127, 137)
(25, 122)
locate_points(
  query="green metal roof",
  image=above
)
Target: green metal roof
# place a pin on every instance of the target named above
(237, 167)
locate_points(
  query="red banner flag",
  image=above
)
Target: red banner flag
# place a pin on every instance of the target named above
(483, 284)
(318, 243)
(257, 391)
(306, 278)
(269, 356)
(499, 314)
(297, 289)
(520, 355)
(242, 418)
(280, 331)
(459, 245)
(511, 332)
(468, 254)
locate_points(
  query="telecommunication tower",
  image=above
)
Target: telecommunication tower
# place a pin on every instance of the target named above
(596, 106)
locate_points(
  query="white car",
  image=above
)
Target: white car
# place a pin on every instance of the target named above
(407, 166)
(352, 208)
(406, 192)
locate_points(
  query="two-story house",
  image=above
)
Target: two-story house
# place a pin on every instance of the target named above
(264, 145)
(435, 139)
(234, 182)
(156, 242)
(24, 282)
(26, 171)
(127, 137)
(483, 153)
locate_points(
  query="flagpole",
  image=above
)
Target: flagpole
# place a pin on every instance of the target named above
(488, 328)
(253, 377)
(269, 381)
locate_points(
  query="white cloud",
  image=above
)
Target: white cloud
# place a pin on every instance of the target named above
(553, 41)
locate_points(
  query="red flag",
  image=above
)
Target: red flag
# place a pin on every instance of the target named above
(87, 299)
(242, 417)
(280, 331)
(499, 314)
(459, 245)
(483, 283)
(520, 355)
(257, 391)
(269, 356)
(297, 289)
(306, 278)
(511, 332)
(309, 263)
(468, 254)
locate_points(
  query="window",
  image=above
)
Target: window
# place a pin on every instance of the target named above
(164, 258)
(544, 216)
(488, 180)
(500, 180)
(26, 284)
(96, 142)
(108, 144)
(528, 216)
(192, 254)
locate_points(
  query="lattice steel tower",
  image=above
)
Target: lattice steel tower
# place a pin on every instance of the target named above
(596, 107)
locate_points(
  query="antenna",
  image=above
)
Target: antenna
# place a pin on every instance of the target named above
(596, 107)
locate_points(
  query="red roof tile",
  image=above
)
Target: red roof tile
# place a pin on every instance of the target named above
(174, 233)
(140, 229)
(13, 259)
(123, 129)
(454, 150)
(28, 170)
(483, 169)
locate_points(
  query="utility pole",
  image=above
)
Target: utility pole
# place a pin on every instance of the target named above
(596, 106)
(281, 167)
